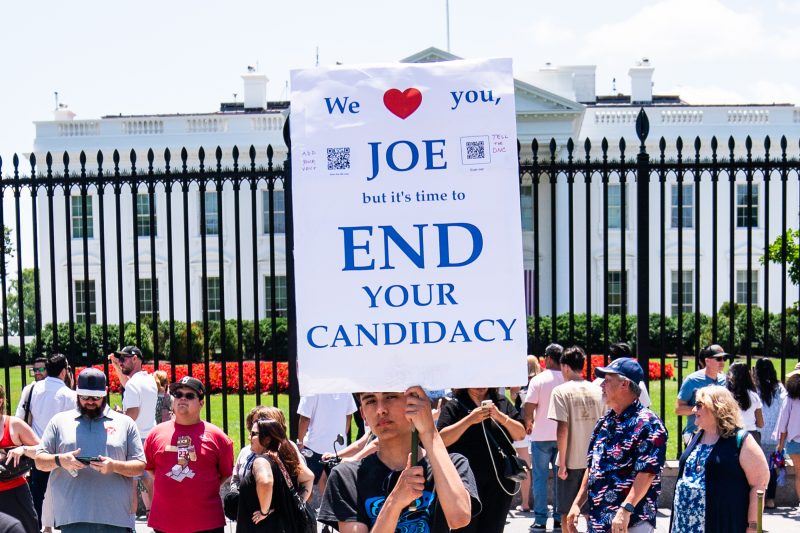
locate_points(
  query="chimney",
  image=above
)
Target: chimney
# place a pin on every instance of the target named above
(255, 90)
(641, 82)
(583, 80)
(62, 112)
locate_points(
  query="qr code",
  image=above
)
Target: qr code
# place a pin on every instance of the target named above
(339, 158)
(475, 149)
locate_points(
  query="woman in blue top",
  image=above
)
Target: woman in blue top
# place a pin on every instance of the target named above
(720, 471)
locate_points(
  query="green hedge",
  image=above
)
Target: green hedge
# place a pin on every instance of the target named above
(595, 343)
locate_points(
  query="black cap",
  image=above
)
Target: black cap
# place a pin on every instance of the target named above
(130, 350)
(91, 382)
(188, 381)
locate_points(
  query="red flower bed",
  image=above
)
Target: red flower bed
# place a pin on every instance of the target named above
(654, 368)
(215, 375)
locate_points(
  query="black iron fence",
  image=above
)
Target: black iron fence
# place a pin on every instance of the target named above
(191, 262)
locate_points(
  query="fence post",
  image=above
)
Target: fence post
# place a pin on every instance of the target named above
(291, 309)
(643, 245)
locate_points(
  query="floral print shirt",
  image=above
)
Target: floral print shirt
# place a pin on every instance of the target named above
(621, 447)
(690, 493)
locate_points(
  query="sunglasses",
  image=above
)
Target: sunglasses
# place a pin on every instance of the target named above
(188, 395)
(718, 358)
(90, 398)
(253, 434)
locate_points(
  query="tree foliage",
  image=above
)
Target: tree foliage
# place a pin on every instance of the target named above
(775, 253)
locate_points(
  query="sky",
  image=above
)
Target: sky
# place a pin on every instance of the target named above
(176, 56)
(109, 57)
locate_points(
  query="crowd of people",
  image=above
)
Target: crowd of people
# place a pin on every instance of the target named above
(73, 462)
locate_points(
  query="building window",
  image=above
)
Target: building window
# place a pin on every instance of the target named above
(281, 298)
(745, 214)
(145, 294)
(212, 213)
(278, 210)
(526, 207)
(143, 216)
(685, 303)
(615, 301)
(688, 206)
(741, 286)
(214, 299)
(77, 217)
(615, 207)
(85, 309)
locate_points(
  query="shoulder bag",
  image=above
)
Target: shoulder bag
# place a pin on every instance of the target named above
(511, 466)
(302, 516)
(9, 471)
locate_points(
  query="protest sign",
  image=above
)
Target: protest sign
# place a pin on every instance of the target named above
(407, 237)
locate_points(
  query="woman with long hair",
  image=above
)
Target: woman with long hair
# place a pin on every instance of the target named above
(265, 501)
(17, 439)
(720, 472)
(480, 424)
(788, 429)
(740, 383)
(773, 396)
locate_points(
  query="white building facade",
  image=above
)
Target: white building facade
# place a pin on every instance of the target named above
(555, 103)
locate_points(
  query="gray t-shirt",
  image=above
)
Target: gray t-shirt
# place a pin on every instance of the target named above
(91, 496)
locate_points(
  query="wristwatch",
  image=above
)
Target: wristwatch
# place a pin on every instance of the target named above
(628, 507)
(57, 460)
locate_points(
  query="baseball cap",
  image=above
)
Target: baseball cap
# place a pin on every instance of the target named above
(625, 367)
(130, 350)
(188, 381)
(715, 351)
(91, 382)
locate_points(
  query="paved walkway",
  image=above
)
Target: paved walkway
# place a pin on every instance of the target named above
(782, 520)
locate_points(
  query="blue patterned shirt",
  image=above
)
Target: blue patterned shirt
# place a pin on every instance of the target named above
(621, 447)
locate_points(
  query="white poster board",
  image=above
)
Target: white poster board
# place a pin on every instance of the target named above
(407, 234)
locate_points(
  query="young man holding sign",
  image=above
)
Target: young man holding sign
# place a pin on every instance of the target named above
(383, 492)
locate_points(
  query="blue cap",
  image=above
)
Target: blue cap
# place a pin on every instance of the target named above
(625, 367)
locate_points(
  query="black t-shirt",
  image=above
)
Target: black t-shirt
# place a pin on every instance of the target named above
(357, 490)
(472, 443)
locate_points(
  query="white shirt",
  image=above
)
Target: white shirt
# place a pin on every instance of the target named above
(749, 416)
(141, 391)
(50, 397)
(328, 416)
(20, 413)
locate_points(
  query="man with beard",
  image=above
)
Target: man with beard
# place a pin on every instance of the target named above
(92, 452)
(138, 402)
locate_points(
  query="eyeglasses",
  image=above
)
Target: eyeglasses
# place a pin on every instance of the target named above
(39, 369)
(90, 398)
(188, 395)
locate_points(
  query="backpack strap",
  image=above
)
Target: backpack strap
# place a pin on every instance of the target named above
(740, 436)
(27, 418)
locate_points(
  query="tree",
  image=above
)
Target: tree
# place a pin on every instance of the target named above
(791, 258)
(28, 301)
(6, 247)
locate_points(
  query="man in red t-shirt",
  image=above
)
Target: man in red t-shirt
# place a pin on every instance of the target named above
(189, 460)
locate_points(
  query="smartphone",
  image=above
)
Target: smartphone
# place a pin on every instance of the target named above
(87, 460)
(486, 403)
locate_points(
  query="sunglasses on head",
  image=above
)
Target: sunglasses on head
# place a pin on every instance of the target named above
(90, 398)
(188, 395)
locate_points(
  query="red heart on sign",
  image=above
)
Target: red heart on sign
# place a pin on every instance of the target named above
(402, 104)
